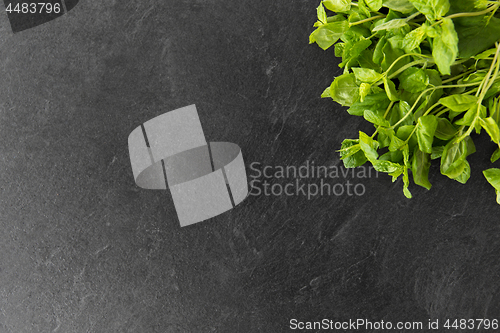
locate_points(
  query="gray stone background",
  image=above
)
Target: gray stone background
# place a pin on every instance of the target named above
(83, 249)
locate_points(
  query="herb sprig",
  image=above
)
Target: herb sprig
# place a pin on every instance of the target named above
(425, 73)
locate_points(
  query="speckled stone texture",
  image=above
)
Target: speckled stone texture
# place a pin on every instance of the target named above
(83, 249)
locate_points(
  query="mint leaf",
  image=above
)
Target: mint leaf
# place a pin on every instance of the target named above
(374, 5)
(403, 6)
(413, 39)
(413, 80)
(392, 24)
(445, 130)
(432, 9)
(344, 90)
(390, 90)
(368, 146)
(351, 154)
(367, 75)
(425, 132)
(375, 118)
(420, 165)
(454, 154)
(465, 175)
(459, 103)
(493, 177)
(338, 6)
(495, 156)
(373, 102)
(320, 11)
(445, 46)
(490, 125)
(327, 34)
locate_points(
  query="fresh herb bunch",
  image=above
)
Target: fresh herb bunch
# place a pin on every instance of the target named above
(425, 73)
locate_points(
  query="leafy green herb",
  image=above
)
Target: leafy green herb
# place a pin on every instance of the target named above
(425, 73)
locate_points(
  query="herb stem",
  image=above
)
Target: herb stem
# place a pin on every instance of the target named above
(458, 76)
(495, 75)
(427, 90)
(412, 16)
(385, 115)
(366, 20)
(411, 64)
(486, 84)
(411, 134)
(441, 111)
(430, 109)
(483, 12)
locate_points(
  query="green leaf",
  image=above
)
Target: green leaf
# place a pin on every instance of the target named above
(353, 52)
(470, 115)
(430, 31)
(493, 177)
(326, 93)
(344, 89)
(375, 118)
(425, 132)
(432, 9)
(368, 146)
(420, 165)
(463, 6)
(374, 5)
(390, 90)
(321, 13)
(485, 54)
(495, 156)
(390, 55)
(351, 154)
(363, 8)
(413, 39)
(396, 143)
(339, 49)
(445, 130)
(364, 90)
(338, 6)
(365, 60)
(437, 152)
(378, 55)
(465, 175)
(413, 80)
(445, 46)
(402, 6)
(406, 178)
(373, 102)
(399, 112)
(494, 90)
(404, 133)
(392, 24)
(471, 148)
(392, 156)
(491, 127)
(454, 154)
(420, 110)
(459, 103)
(476, 34)
(396, 41)
(384, 136)
(366, 74)
(387, 166)
(327, 34)
(495, 111)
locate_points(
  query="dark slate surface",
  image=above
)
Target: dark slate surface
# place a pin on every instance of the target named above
(83, 249)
